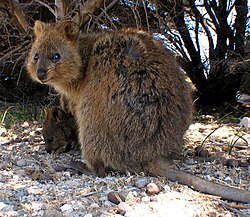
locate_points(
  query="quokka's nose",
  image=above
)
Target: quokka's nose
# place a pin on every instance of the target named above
(41, 74)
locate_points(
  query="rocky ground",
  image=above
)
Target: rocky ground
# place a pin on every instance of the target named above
(35, 183)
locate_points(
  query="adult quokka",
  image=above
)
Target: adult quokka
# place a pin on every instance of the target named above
(128, 95)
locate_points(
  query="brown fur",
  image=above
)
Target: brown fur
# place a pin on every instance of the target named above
(59, 131)
(127, 93)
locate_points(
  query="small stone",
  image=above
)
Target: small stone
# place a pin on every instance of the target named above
(153, 188)
(141, 183)
(21, 163)
(93, 206)
(3, 206)
(21, 194)
(88, 215)
(237, 181)
(232, 163)
(22, 213)
(37, 139)
(59, 168)
(228, 179)
(243, 164)
(124, 207)
(167, 188)
(208, 177)
(66, 208)
(115, 197)
(135, 193)
(201, 152)
(245, 121)
(25, 124)
(3, 131)
(189, 161)
(45, 178)
(37, 205)
(107, 203)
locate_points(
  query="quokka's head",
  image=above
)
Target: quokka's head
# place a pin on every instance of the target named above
(54, 56)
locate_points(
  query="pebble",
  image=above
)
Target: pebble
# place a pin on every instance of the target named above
(21, 163)
(3, 206)
(115, 197)
(243, 164)
(141, 183)
(123, 207)
(59, 168)
(228, 179)
(88, 215)
(93, 206)
(135, 193)
(167, 188)
(3, 131)
(37, 139)
(22, 213)
(189, 161)
(25, 124)
(237, 181)
(37, 205)
(201, 152)
(208, 177)
(153, 188)
(21, 194)
(245, 121)
(66, 208)
(45, 178)
(107, 204)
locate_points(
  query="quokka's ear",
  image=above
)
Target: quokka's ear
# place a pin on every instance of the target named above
(38, 27)
(70, 29)
(53, 114)
(57, 114)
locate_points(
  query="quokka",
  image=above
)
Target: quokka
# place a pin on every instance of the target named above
(128, 95)
(59, 131)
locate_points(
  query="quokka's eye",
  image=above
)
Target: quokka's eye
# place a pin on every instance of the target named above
(50, 139)
(56, 57)
(36, 56)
